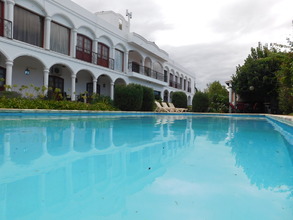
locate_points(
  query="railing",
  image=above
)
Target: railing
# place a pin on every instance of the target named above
(94, 58)
(5, 28)
(134, 67)
(175, 84)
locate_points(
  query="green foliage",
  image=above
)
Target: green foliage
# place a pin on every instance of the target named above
(148, 99)
(128, 97)
(200, 102)
(10, 94)
(285, 79)
(256, 80)
(218, 97)
(179, 99)
(25, 103)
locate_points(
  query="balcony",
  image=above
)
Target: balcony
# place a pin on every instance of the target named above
(175, 84)
(146, 71)
(5, 28)
(94, 58)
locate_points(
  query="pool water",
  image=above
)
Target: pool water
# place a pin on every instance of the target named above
(146, 167)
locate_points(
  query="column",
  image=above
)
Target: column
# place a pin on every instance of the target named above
(47, 32)
(126, 62)
(10, 10)
(95, 50)
(8, 82)
(46, 80)
(112, 90)
(73, 77)
(73, 42)
(95, 85)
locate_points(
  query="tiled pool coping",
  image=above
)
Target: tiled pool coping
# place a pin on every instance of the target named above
(286, 119)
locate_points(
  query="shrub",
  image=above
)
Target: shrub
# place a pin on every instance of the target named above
(10, 94)
(128, 98)
(179, 99)
(200, 102)
(148, 99)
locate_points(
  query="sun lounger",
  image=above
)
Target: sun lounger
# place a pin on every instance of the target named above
(160, 108)
(177, 109)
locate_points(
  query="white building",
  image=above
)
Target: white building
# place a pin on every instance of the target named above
(59, 44)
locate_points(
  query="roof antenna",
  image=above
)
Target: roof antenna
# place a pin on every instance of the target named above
(129, 15)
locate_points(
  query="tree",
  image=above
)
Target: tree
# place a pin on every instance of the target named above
(200, 102)
(179, 99)
(218, 97)
(285, 79)
(256, 81)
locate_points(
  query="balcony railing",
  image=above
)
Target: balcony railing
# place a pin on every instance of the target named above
(5, 28)
(175, 84)
(94, 58)
(134, 67)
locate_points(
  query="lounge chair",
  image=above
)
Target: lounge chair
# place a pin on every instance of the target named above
(170, 109)
(160, 108)
(177, 109)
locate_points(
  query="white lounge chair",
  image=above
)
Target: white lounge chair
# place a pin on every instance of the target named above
(177, 109)
(160, 108)
(170, 109)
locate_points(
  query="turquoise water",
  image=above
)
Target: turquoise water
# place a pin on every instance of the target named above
(145, 168)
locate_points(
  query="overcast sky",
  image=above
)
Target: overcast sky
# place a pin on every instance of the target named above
(208, 37)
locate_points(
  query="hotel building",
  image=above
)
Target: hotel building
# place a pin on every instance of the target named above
(59, 44)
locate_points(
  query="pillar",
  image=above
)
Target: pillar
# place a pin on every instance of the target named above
(95, 85)
(8, 82)
(112, 90)
(73, 42)
(73, 77)
(46, 80)
(47, 32)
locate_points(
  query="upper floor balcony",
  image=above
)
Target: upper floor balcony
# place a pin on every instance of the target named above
(94, 58)
(146, 71)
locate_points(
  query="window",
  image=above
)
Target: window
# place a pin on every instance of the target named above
(28, 26)
(2, 78)
(60, 38)
(165, 75)
(103, 55)
(171, 80)
(176, 81)
(120, 24)
(84, 48)
(119, 60)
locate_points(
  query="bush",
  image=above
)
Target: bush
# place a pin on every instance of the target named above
(200, 102)
(10, 94)
(179, 99)
(128, 98)
(148, 99)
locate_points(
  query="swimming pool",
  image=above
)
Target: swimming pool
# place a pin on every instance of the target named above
(144, 167)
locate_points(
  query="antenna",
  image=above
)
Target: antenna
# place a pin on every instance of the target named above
(129, 15)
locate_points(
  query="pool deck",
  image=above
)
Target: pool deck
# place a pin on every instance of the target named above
(287, 119)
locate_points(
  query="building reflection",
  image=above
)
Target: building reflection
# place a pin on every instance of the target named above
(52, 164)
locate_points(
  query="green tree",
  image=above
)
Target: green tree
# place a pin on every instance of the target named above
(200, 102)
(218, 97)
(285, 79)
(255, 80)
(179, 99)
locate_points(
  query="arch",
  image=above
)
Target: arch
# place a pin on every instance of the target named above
(135, 56)
(28, 71)
(33, 6)
(158, 67)
(29, 55)
(106, 40)
(86, 31)
(119, 81)
(166, 96)
(104, 85)
(62, 19)
(121, 47)
(148, 62)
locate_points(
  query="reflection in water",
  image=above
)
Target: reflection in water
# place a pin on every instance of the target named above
(76, 168)
(67, 163)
